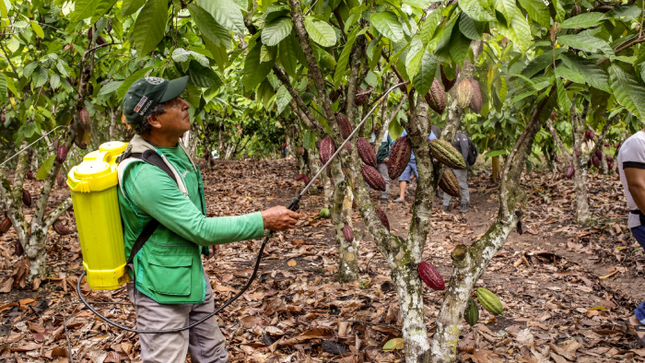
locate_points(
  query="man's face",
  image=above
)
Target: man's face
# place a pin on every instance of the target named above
(175, 121)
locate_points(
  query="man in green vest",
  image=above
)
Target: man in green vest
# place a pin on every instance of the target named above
(170, 288)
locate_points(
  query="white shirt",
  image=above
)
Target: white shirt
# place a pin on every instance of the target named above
(631, 155)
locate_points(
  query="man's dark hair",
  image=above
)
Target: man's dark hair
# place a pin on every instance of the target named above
(144, 128)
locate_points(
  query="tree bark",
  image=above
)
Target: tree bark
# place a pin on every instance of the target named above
(580, 174)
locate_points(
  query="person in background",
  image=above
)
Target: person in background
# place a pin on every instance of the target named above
(382, 158)
(462, 144)
(411, 168)
(631, 168)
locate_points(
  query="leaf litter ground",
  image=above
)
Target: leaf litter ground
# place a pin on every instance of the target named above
(566, 289)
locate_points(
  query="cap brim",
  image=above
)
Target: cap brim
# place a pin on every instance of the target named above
(175, 88)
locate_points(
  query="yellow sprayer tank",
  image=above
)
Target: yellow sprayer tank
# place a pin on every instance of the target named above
(94, 186)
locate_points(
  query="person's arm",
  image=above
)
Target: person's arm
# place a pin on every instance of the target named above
(163, 201)
(635, 177)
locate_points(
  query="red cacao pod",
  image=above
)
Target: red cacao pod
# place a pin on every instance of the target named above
(610, 165)
(61, 154)
(476, 100)
(599, 154)
(300, 176)
(596, 161)
(333, 95)
(30, 175)
(344, 125)
(4, 226)
(399, 157)
(449, 184)
(362, 97)
(570, 171)
(448, 83)
(609, 158)
(348, 233)
(383, 217)
(327, 149)
(430, 276)
(606, 144)
(60, 228)
(26, 197)
(436, 97)
(60, 180)
(617, 144)
(577, 153)
(366, 152)
(589, 135)
(373, 178)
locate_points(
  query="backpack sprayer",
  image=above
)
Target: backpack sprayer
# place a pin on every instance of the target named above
(94, 184)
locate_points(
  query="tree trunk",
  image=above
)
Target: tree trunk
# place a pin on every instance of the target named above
(496, 171)
(347, 251)
(580, 174)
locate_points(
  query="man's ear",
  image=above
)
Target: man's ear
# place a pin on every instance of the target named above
(152, 120)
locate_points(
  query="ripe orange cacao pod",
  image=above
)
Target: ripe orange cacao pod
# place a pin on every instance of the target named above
(348, 233)
(383, 217)
(26, 197)
(362, 97)
(449, 184)
(570, 171)
(464, 93)
(4, 226)
(344, 125)
(373, 178)
(448, 83)
(399, 157)
(366, 152)
(436, 97)
(447, 154)
(476, 100)
(430, 276)
(61, 154)
(327, 149)
(60, 228)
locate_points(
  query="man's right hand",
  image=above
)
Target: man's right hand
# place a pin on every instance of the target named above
(279, 218)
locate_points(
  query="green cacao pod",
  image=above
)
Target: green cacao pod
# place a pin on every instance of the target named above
(476, 100)
(366, 152)
(430, 276)
(348, 233)
(449, 184)
(324, 213)
(472, 313)
(464, 93)
(383, 217)
(448, 83)
(489, 301)
(4, 226)
(344, 125)
(399, 157)
(373, 178)
(447, 154)
(326, 150)
(436, 97)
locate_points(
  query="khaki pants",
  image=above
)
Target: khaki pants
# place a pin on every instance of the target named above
(204, 342)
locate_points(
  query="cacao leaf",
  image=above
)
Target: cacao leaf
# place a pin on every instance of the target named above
(388, 24)
(45, 168)
(150, 26)
(320, 32)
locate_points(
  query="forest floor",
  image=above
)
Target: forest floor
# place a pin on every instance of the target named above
(566, 289)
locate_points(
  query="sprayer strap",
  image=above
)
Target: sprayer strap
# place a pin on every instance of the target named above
(151, 157)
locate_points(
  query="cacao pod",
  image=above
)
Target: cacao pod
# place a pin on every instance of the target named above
(588, 164)
(349, 147)
(17, 249)
(60, 180)
(553, 116)
(449, 184)
(327, 149)
(577, 153)
(436, 97)
(589, 135)
(26, 197)
(366, 152)
(84, 115)
(399, 157)
(472, 313)
(606, 144)
(61, 154)
(4, 226)
(300, 176)
(344, 125)
(608, 158)
(577, 10)
(447, 154)
(2, 118)
(306, 179)
(404, 89)
(373, 178)
(464, 93)
(348, 233)
(595, 161)
(30, 175)
(284, 146)
(60, 228)
(206, 155)
(301, 150)
(430, 276)
(362, 97)
(489, 301)
(570, 171)
(383, 217)
(448, 83)
(333, 95)
(599, 154)
(610, 165)
(324, 213)
(617, 144)
(476, 100)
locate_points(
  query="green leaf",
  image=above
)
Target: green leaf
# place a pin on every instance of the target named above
(475, 11)
(54, 81)
(82, 9)
(150, 26)
(309, 140)
(624, 12)
(287, 58)
(267, 54)
(593, 75)
(387, 23)
(414, 57)
(537, 11)
(63, 68)
(226, 13)
(569, 74)
(506, 8)
(276, 30)
(282, 99)
(430, 25)
(586, 43)
(422, 4)
(202, 76)
(628, 90)
(45, 168)
(102, 8)
(392, 344)
(343, 60)
(470, 28)
(320, 32)
(3, 88)
(29, 69)
(424, 77)
(209, 28)
(493, 153)
(130, 80)
(542, 61)
(40, 77)
(560, 13)
(180, 55)
(519, 32)
(582, 21)
(110, 88)
(37, 28)
(129, 7)
(459, 46)
(563, 99)
(254, 70)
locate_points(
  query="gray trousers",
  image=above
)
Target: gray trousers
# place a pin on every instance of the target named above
(463, 185)
(382, 168)
(205, 342)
